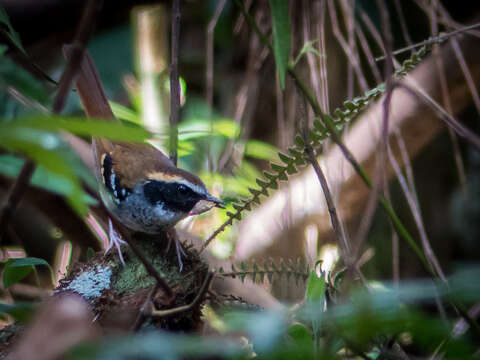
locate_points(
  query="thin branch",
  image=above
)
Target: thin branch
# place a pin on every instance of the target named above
(368, 54)
(209, 72)
(325, 103)
(466, 72)
(337, 228)
(351, 56)
(379, 183)
(403, 23)
(195, 302)
(415, 209)
(445, 18)
(433, 40)
(446, 97)
(442, 114)
(79, 45)
(148, 266)
(174, 83)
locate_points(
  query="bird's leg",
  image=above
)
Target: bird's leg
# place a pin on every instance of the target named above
(114, 240)
(172, 235)
(180, 252)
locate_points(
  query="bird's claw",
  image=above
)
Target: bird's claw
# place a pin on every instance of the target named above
(114, 240)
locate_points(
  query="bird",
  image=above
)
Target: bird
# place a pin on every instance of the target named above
(139, 185)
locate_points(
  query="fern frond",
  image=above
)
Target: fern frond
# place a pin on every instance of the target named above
(287, 268)
(296, 155)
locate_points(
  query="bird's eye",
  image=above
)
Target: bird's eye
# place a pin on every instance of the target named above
(182, 189)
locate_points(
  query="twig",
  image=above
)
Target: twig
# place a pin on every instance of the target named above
(179, 309)
(148, 266)
(442, 114)
(84, 31)
(415, 209)
(141, 314)
(209, 72)
(324, 99)
(447, 103)
(379, 177)
(174, 82)
(81, 39)
(349, 52)
(403, 23)
(337, 229)
(432, 40)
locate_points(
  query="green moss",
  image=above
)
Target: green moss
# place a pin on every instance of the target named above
(133, 276)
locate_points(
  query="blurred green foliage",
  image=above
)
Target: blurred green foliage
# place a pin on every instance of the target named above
(371, 325)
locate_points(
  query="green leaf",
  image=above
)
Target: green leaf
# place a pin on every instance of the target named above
(28, 261)
(10, 32)
(301, 335)
(20, 79)
(84, 126)
(45, 179)
(315, 288)
(46, 149)
(281, 36)
(20, 311)
(124, 113)
(260, 150)
(16, 270)
(199, 127)
(12, 275)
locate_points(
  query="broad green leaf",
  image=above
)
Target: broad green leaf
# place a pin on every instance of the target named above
(261, 150)
(10, 32)
(281, 36)
(45, 179)
(45, 149)
(20, 311)
(12, 275)
(84, 126)
(124, 113)
(16, 270)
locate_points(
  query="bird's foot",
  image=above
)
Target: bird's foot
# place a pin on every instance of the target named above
(180, 252)
(172, 236)
(114, 240)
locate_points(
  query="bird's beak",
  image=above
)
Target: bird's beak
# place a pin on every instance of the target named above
(206, 204)
(217, 202)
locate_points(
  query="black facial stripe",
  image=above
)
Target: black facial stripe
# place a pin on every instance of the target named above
(112, 182)
(172, 195)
